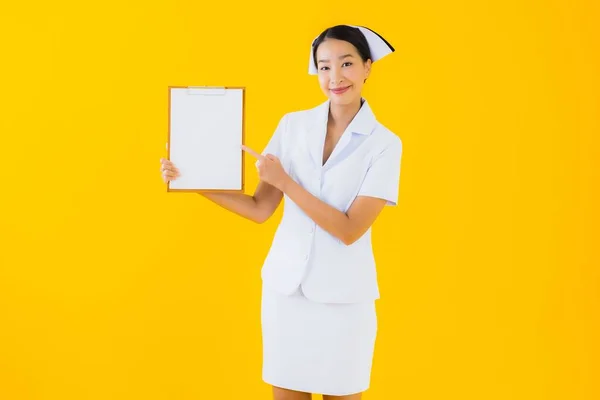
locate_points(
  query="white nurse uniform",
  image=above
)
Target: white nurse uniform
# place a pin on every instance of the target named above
(318, 312)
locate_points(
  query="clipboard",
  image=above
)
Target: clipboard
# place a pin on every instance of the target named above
(206, 128)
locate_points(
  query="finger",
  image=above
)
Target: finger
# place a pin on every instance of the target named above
(170, 176)
(171, 171)
(165, 168)
(168, 164)
(271, 157)
(252, 152)
(168, 169)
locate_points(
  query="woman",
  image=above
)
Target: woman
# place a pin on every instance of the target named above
(336, 167)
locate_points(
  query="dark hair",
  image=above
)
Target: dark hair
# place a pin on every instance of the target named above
(344, 32)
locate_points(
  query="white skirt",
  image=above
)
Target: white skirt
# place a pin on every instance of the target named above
(321, 348)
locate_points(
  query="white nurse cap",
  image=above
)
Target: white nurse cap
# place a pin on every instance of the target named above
(378, 46)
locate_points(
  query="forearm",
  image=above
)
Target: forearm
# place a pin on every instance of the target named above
(239, 203)
(327, 217)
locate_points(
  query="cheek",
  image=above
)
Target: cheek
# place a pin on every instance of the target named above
(354, 75)
(323, 82)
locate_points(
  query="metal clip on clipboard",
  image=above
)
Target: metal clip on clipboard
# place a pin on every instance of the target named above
(206, 90)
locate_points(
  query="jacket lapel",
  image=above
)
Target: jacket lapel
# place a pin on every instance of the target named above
(363, 123)
(315, 137)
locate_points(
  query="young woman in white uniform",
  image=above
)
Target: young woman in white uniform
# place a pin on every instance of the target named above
(336, 167)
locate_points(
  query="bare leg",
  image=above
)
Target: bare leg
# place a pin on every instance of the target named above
(286, 394)
(356, 396)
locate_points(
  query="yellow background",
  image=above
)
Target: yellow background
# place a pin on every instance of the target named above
(112, 288)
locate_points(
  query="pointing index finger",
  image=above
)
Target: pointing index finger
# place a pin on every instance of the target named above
(252, 152)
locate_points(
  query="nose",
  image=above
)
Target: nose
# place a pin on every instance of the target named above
(335, 76)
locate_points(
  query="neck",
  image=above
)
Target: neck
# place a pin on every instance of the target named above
(340, 115)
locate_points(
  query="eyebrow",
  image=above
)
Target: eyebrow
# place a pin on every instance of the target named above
(340, 57)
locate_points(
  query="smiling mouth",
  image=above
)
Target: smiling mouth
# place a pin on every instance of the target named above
(340, 90)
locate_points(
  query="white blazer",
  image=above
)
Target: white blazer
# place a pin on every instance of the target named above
(365, 162)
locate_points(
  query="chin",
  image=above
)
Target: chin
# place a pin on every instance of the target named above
(344, 100)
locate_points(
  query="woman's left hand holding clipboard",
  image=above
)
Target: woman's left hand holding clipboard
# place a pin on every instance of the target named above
(269, 168)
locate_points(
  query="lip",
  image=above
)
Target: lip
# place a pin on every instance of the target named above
(340, 90)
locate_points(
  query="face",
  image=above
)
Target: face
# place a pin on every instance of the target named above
(340, 66)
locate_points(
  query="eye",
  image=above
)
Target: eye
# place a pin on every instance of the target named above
(323, 69)
(348, 63)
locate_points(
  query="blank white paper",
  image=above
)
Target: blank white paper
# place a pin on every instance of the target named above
(205, 138)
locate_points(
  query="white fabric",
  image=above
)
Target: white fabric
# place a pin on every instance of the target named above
(378, 47)
(316, 347)
(365, 162)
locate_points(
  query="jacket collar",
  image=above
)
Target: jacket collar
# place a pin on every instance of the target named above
(363, 123)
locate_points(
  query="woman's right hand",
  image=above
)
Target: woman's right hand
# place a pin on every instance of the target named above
(169, 170)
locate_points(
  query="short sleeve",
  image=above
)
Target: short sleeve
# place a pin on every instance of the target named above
(275, 144)
(383, 176)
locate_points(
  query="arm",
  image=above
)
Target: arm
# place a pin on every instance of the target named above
(379, 187)
(257, 208)
(348, 227)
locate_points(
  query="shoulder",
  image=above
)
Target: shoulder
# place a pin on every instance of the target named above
(386, 138)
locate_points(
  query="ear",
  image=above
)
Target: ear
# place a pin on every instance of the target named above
(368, 65)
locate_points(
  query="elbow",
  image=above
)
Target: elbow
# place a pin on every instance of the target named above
(261, 216)
(259, 219)
(350, 236)
(257, 214)
(347, 239)
(348, 242)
